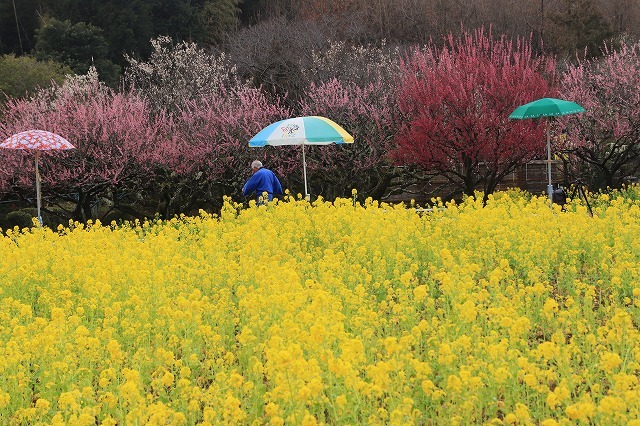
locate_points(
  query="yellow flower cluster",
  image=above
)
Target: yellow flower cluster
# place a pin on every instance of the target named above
(328, 313)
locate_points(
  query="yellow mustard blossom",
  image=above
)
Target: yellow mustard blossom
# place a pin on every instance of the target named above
(338, 312)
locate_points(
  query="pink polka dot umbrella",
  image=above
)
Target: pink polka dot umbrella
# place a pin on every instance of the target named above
(38, 140)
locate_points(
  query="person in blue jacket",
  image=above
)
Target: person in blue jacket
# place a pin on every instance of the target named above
(262, 180)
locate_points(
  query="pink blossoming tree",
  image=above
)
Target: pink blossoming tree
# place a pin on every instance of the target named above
(207, 155)
(368, 113)
(354, 86)
(607, 136)
(115, 139)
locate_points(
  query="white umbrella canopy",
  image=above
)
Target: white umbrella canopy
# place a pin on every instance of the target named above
(37, 140)
(308, 130)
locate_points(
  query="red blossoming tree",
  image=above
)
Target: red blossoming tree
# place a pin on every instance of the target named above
(457, 99)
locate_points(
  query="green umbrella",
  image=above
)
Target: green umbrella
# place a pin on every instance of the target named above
(546, 107)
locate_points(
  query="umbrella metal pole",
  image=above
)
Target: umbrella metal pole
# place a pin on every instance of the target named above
(304, 172)
(549, 185)
(38, 189)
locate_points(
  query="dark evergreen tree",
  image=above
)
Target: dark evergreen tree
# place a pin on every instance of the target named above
(250, 11)
(577, 26)
(219, 18)
(78, 46)
(18, 22)
(128, 25)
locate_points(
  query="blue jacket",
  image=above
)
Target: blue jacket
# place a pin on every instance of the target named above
(261, 181)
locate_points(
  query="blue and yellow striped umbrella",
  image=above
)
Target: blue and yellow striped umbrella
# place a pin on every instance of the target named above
(311, 130)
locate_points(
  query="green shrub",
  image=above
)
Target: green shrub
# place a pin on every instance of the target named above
(21, 218)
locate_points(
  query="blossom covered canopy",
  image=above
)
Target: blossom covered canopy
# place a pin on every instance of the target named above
(36, 139)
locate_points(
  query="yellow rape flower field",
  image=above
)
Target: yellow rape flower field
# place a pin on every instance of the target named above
(328, 313)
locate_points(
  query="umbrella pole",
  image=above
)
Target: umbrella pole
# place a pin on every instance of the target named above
(304, 172)
(549, 185)
(38, 188)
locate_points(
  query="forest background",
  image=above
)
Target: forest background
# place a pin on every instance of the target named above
(161, 96)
